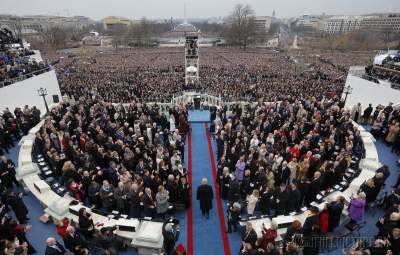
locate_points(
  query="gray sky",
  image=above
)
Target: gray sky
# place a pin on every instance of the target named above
(136, 9)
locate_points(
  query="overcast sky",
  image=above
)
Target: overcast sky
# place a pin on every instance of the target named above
(136, 9)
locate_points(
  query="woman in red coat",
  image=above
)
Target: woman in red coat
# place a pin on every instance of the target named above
(324, 220)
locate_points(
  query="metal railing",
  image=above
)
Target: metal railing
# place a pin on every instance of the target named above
(11, 81)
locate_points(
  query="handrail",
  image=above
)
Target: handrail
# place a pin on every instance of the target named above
(24, 76)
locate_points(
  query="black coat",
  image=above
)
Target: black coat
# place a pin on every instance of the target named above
(335, 211)
(169, 240)
(18, 207)
(134, 204)
(72, 241)
(294, 200)
(205, 196)
(250, 237)
(53, 251)
(281, 202)
(234, 191)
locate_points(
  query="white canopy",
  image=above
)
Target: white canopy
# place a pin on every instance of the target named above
(191, 69)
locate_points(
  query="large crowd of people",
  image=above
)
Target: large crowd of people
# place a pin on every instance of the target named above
(157, 74)
(15, 60)
(273, 158)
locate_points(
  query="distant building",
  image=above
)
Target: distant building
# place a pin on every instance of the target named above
(342, 24)
(382, 23)
(112, 22)
(34, 24)
(311, 22)
(263, 23)
(375, 23)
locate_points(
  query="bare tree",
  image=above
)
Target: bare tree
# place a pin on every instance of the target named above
(55, 36)
(242, 28)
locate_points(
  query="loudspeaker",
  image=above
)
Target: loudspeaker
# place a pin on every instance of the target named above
(55, 99)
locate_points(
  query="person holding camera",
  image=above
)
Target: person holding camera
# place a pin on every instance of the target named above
(170, 236)
(233, 217)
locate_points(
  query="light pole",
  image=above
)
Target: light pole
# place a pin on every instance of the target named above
(43, 93)
(347, 91)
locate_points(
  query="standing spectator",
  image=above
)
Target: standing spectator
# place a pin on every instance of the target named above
(107, 195)
(248, 235)
(252, 202)
(53, 247)
(170, 237)
(357, 208)
(335, 212)
(162, 201)
(14, 200)
(233, 216)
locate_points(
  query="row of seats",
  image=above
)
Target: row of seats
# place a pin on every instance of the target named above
(144, 234)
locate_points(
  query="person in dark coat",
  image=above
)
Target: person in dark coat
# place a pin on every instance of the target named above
(148, 203)
(335, 211)
(53, 247)
(73, 240)
(86, 225)
(233, 190)
(248, 235)
(170, 237)
(15, 202)
(294, 198)
(205, 196)
(134, 201)
(314, 189)
(311, 220)
(281, 200)
(233, 217)
(267, 201)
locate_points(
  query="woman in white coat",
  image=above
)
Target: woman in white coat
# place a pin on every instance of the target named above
(172, 123)
(252, 202)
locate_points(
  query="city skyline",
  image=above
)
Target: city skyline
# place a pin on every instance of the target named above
(196, 10)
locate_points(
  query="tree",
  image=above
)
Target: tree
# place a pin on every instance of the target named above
(55, 36)
(242, 28)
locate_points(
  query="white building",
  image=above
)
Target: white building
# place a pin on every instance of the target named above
(311, 22)
(343, 24)
(263, 23)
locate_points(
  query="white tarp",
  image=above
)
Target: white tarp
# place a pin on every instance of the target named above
(367, 92)
(191, 69)
(379, 59)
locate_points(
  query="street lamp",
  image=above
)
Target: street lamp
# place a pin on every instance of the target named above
(43, 93)
(347, 91)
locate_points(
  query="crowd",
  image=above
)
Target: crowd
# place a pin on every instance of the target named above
(15, 60)
(157, 74)
(115, 158)
(275, 158)
(14, 125)
(384, 121)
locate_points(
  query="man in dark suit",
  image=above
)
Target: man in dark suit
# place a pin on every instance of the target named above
(205, 196)
(53, 247)
(73, 240)
(248, 235)
(281, 200)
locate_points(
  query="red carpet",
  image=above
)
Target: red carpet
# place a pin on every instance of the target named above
(190, 210)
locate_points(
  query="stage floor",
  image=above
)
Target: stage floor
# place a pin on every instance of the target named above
(199, 116)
